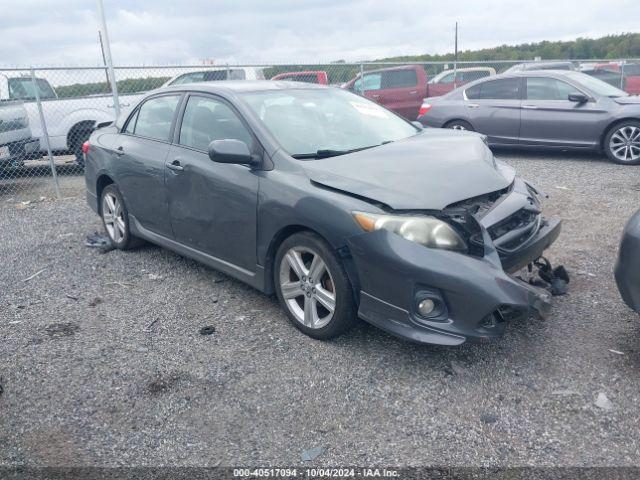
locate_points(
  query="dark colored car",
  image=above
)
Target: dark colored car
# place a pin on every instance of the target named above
(552, 109)
(400, 89)
(331, 201)
(627, 269)
(319, 76)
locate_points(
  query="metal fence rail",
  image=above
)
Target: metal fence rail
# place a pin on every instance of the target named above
(46, 113)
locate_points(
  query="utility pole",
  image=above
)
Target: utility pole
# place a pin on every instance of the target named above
(455, 59)
(109, 60)
(104, 60)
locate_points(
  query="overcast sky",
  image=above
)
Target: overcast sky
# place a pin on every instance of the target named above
(64, 32)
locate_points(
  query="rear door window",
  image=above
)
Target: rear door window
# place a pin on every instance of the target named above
(155, 116)
(399, 79)
(502, 89)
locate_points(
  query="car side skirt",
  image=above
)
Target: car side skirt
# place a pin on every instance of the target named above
(255, 279)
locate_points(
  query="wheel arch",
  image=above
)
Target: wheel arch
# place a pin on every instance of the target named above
(270, 258)
(101, 182)
(613, 124)
(75, 131)
(289, 230)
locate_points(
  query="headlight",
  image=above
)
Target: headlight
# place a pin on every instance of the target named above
(428, 231)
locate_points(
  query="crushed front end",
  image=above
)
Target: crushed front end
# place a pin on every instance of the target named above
(445, 297)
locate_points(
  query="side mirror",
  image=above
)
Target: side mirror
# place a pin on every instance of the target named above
(578, 98)
(231, 151)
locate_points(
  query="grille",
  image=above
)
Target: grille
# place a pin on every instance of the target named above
(515, 230)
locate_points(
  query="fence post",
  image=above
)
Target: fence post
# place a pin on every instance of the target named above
(361, 79)
(109, 60)
(45, 132)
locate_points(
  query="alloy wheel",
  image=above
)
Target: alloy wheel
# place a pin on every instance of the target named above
(307, 287)
(625, 144)
(457, 126)
(112, 215)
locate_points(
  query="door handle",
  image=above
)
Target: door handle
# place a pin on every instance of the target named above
(529, 107)
(473, 105)
(119, 151)
(377, 97)
(413, 92)
(175, 166)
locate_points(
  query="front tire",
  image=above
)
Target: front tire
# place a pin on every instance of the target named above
(622, 143)
(313, 288)
(115, 219)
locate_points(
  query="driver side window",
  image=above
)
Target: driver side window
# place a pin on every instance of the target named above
(207, 119)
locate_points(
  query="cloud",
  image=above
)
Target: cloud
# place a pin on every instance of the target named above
(38, 32)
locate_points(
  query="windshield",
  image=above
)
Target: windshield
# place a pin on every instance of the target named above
(308, 121)
(599, 87)
(23, 89)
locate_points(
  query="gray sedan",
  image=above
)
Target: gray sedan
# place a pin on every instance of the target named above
(544, 109)
(334, 203)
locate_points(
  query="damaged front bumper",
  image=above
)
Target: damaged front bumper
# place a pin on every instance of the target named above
(473, 296)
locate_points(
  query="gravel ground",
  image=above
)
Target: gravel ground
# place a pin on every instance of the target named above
(102, 362)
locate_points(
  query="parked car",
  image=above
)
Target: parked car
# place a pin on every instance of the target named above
(400, 89)
(337, 205)
(320, 77)
(217, 74)
(69, 120)
(544, 109)
(446, 81)
(627, 269)
(16, 143)
(524, 67)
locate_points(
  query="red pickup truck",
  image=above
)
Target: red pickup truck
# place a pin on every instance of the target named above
(318, 76)
(400, 89)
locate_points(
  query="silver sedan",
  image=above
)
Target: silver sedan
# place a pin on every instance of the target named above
(544, 109)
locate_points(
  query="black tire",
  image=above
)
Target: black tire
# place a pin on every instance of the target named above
(627, 125)
(459, 125)
(344, 314)
(125, 241)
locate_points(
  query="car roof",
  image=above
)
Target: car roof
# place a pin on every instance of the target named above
(242, 86)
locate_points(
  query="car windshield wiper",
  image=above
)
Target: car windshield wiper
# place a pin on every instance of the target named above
(326, 153)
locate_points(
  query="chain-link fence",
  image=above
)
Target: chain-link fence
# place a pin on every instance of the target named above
(46, 114)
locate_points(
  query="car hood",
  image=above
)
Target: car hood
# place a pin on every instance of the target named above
(630, 100)
(426, 172)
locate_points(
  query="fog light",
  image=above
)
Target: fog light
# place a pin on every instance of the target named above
(426, 306)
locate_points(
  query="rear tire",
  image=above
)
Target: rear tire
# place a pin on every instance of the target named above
(622, 143)
(115, 218)
(459, 125)
(313, 288)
